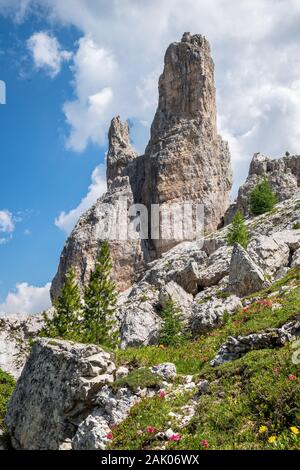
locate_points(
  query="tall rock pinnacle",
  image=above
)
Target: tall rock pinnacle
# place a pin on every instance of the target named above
(120, 152)
(185, 159)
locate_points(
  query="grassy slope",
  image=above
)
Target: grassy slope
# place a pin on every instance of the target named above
(244, 395)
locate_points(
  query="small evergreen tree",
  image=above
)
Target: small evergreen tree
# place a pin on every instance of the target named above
(67, 310)
(100, 298)
(237, 232)
(171, 332)
(262, 198)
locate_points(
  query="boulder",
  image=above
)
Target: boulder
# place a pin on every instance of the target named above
(209, 314)
(234, 348)
(217, 267)
(295, 263)
(245, 277)
(55, 388)
(167, 371)
(173, 291)
(269, 253)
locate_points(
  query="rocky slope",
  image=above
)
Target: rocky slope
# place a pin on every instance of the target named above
(185, 160)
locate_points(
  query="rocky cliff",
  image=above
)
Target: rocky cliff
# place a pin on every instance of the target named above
(283, 174)
(185, 160)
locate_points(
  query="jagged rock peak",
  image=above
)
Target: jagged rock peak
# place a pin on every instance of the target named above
(185, 159)
(186, 87)
(120, 151)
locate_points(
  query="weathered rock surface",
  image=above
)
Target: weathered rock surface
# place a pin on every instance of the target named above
(81, 248)
(172, 291)
(283, 175)
(167, 371)
(208, 315)
(217, 267)
(185, 159)
(234, 348)
(120, 153)
(245, 277)
(56, 385)
(15, 333)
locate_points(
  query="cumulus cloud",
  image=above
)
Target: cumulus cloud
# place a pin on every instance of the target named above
(47, 53)
(27, 299)
(121, 52)
(7, 226)
(67, 221)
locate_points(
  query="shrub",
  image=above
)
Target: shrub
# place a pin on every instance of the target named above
(171, 332)
(262, 198)
(238, 232)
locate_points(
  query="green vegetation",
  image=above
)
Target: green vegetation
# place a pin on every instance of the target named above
(237, 232)
(90, 321)
(7, 385)
(296, 226)
(67, 310)
(172, 330)
(139, 378)
(262, 198)
(100, 298)
(252, 403)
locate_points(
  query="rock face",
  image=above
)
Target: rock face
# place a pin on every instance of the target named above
(80, 251)
(234, 348)
(55, 387)
(283, 175)
(185, 159)
(245, 277)
(120, 152)
(15, 333)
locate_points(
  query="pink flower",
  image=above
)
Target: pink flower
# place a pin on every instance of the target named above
(162, 394)
(110, 436)
(245, 309)
(150, 429)
(204, 443)
(292, 377)
(175, 438)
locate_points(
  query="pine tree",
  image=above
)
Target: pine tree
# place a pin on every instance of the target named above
(67, 310)
(171, 332)
(99, 303)
(237, 232)
(262, 198)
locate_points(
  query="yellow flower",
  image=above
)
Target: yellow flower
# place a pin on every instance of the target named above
(295, 430)
(272, 439)
(263, 429)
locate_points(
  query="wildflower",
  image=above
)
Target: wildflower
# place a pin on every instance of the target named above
(174, 437)
(245, 309)
(161, 346)
(263, 430)
(204, 443)
(272, 439)
(162, 394)
(110, 436)
(292, 377)
(150, 429)
(295, 430)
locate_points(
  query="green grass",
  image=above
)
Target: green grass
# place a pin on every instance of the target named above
(139, 378)
(7, 385)
(244, 395)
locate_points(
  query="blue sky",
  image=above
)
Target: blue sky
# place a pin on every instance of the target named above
(70, 66)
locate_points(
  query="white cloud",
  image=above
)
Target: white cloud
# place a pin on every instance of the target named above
(6, 222)
(47, 53)
(66, 221)
(27, 299)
